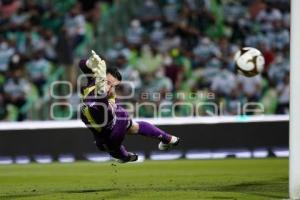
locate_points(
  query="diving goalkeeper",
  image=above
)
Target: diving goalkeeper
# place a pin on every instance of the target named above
(107, 120)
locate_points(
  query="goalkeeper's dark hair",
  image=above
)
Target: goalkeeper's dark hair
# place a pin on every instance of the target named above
(114, 72)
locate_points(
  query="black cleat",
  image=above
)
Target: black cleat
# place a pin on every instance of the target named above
(132, 157)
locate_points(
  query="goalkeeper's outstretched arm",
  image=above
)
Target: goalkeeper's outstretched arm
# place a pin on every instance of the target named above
(95, 68)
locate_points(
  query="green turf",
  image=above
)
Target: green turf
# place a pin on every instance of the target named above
(182, 179)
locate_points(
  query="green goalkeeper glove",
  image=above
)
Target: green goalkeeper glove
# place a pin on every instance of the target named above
(98, 67)
(96, 64)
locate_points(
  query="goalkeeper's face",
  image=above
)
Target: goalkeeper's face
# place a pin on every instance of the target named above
(111, 83)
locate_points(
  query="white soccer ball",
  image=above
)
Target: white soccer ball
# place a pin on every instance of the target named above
(249, 61)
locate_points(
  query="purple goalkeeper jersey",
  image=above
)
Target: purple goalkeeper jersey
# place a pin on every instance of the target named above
(103, 113)
(107, 120)
(115, 121)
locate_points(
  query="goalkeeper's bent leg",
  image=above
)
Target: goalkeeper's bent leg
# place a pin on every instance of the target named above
(123, 155)
(120, 153)
(149, 130)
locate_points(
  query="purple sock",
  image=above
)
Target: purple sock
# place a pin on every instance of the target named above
(149, 130)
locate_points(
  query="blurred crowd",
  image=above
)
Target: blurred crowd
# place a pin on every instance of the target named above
(174, 52)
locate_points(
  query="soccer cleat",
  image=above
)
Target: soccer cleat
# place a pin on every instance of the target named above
(131, 158)
(174, 142)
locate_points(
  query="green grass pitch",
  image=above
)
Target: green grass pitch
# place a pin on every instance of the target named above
(181, 179)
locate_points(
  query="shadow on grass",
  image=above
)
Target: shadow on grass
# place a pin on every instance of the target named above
(17, 196)
(34, 194)
(258, 188)
(265, 189)
(90, 190)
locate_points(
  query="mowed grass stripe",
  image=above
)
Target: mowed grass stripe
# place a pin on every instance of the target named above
(180, 179)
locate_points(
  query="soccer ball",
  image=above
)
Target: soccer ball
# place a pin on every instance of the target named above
(249, 61)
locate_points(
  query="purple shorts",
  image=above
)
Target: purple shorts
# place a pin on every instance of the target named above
(111, 137)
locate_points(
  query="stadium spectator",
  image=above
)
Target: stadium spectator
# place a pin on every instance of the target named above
(38, 70)
(6, 51)
(15, 89)
(205, 50)
(283, 90)
(135, 33)
(278, 68)
(158, 33)
(3, 108)
(224, 82)
(149, 12)
(130, 75)
(74, 23)
(9, 7)
(171, 10)
(162, 46)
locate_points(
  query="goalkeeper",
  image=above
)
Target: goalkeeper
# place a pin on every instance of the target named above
(107, 120)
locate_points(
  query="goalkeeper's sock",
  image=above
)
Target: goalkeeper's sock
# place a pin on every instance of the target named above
(149, 130)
